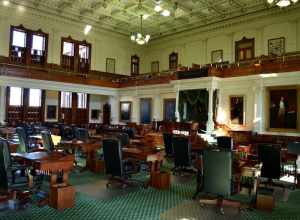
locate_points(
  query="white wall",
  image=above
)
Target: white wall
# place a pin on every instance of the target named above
(96, 103)
(104, 44)
(196, 46)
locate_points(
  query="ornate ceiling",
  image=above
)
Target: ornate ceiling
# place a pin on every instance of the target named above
(123, 16)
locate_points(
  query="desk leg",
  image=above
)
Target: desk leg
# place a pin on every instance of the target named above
(53, 179)
(199, 183)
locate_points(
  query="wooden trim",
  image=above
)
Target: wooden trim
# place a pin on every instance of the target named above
(135, 63)
(170, 61)
(242, 41)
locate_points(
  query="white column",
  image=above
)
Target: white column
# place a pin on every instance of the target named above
(136, 110)
(210, 123)
(2, 104)
(114, 102)
(258, 121)
(177, 106)
(157, 108)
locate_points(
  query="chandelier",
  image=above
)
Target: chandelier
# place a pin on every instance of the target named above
(282, 3)
(139, 37)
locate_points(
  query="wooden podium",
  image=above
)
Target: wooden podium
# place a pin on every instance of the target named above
(62, 197)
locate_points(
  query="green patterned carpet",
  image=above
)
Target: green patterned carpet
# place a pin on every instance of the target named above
(142, 204)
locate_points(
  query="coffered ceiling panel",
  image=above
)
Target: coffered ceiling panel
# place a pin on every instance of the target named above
(123, 16)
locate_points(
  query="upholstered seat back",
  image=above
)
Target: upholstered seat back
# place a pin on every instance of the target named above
(47, 141)
(113, 157)
(182, 151)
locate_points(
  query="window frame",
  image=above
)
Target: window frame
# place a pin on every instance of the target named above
(75, 63)
(84, 101)
(40, 99)
(67, 106)
(21, 97)
(28, 56)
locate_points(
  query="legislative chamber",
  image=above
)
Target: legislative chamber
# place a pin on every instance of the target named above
(149, 109)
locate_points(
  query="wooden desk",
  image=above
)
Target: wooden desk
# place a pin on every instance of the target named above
(154, 158)
(55, 138)
(62, 195)
(7, 132)
(88, 147)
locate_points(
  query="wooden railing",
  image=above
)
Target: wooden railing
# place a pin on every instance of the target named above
(53, 72)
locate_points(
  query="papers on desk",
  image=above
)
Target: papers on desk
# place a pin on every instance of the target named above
(208, 138)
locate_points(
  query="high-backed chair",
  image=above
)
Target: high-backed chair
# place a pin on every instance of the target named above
(12, 176)
(119, 169)
(23, 140)
(67, 133)
(225, 142)
(168, 144)
(217, 176)
(47, 141)
(182, 153)
(270, 157)
(293, 154)
(124, 139)
(81, 134)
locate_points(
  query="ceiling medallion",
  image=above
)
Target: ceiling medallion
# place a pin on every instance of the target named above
(139, 37)
(282, 3)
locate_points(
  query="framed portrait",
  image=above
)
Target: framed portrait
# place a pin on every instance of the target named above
(125, 111)
(146, 110)
(51, 112)
(110, 65)
(217, 56)
(155, 67)
(95, 113)
(237, 110)
(276, 46)
(283, 108)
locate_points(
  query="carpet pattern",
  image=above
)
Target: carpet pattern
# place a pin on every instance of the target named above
(145, 204)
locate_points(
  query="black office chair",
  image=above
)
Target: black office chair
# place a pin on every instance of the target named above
(67, 133)
(168, 144)
(119, 169)
(124, 139)
(81, 134)
(182, 155)
(47, 141)
(270, 157)
(12, 175)
(225, 142)
(23, 141)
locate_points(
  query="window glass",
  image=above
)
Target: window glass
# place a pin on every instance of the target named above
(35, 97)
(81, 100)
(68, 49)
(66, 100)
(38, 42)
(83, 52)
(15, 98)
(19, 38)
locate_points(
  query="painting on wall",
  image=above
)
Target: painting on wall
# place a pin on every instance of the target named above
(283, 108)
(145, 110)
(125, 111)
(217, 56)
(237, 110)
(95, 113)
(51, 112)
(276, 46)
(110, 65)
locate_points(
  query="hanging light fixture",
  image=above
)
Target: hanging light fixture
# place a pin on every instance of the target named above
(282, 3)
(139, 37)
